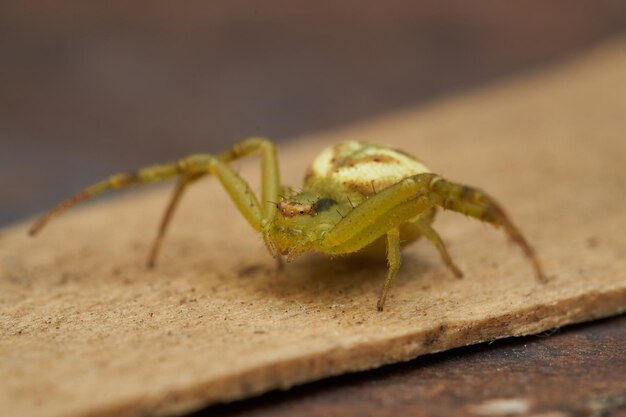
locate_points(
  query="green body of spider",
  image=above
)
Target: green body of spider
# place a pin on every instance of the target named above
(356, 196)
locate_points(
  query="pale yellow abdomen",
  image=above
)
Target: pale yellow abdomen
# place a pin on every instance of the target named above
(356, 170)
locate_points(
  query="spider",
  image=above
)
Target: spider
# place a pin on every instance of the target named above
(356, 196)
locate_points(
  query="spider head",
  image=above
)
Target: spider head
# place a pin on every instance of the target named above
(299, 221)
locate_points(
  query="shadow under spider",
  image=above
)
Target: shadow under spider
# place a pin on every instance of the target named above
(355, 273)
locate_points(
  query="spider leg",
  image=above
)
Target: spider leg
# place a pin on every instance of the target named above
(429, 233)
(183, 182)
(366, 230)
(478, 204)
(381, 214)
(409, 198)
(375, 216)
(393, 260)
(189, 169)
(114, 182)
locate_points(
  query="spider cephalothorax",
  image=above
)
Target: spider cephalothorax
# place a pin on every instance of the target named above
(299, 222)
(355, 196)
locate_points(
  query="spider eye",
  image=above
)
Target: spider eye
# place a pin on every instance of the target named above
(294, 208)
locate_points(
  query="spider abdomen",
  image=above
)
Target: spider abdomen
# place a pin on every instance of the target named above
(357, 170)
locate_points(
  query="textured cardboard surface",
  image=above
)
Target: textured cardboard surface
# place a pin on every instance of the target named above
(85, 329)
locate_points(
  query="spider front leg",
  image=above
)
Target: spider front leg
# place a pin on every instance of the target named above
(188, 170)
(381, 214)
(269, 187)
(412, 197)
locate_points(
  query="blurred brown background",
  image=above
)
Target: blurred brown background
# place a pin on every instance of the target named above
(89, 88)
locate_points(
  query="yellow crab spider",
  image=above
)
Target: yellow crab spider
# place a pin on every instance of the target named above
(356, 196)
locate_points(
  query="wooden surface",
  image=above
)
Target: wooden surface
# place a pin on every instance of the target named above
(576, 371)
(87, 330)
